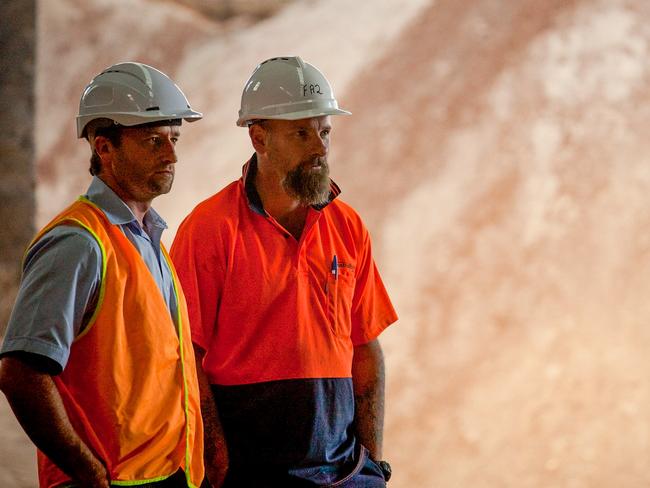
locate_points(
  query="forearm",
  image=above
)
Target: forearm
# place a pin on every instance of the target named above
(215, 447)
(368, 377)
(36, 402)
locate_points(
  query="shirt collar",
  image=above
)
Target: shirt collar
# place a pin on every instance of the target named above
(118, 212)
(249, 171)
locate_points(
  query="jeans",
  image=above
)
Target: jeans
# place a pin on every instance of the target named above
(366, 474)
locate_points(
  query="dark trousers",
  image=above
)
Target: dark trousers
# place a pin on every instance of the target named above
(365, 475)
(369, 476)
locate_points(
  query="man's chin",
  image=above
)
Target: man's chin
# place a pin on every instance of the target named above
(161, 188)
(314, 198)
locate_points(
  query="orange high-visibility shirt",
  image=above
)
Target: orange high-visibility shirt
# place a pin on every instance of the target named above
(267, 307)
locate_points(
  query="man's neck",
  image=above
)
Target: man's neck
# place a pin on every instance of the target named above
(287, 210)
(138, 208)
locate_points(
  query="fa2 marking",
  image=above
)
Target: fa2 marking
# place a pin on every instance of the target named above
(311, 89)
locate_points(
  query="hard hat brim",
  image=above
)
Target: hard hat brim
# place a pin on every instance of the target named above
(303, 114)
(131, 119)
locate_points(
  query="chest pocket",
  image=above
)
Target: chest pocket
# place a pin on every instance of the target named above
(340, 291)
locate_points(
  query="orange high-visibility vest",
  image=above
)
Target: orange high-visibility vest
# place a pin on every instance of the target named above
(130, 387)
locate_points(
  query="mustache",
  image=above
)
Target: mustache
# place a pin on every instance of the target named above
(167, 167)
(320, 160)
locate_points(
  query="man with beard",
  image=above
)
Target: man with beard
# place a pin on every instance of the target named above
(286, 303)
(97, 362)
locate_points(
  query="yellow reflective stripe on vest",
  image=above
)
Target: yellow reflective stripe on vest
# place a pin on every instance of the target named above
(185, 394)
(102, 284)
(140, 482)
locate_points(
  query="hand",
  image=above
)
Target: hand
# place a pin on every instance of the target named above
(216, 471)
(94, 475)
(216, 475)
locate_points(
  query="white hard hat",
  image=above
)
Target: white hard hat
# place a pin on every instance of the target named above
(132, 94)
(287, 88)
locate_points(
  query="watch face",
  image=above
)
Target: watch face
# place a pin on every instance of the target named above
(385, 469)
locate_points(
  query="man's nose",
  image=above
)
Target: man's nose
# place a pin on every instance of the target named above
(321, 146)
(169, 151)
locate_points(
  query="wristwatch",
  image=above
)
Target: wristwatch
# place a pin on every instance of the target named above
(385, 469)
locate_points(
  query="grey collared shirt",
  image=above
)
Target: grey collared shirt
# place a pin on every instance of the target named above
(62, 274)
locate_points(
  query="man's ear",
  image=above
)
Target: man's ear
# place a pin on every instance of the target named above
(102, 146)
(259, 137)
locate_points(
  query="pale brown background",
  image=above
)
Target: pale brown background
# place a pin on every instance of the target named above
(499, 153)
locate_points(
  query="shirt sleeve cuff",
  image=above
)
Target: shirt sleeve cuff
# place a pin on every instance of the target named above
(36, 346)
(368, 335)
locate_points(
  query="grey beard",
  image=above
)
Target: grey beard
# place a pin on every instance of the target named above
(309, 187)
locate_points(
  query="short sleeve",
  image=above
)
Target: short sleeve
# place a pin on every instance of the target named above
(372, 310)
(57, 295)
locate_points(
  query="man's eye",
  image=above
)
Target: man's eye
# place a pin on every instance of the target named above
(154, 141)
(325, 133)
